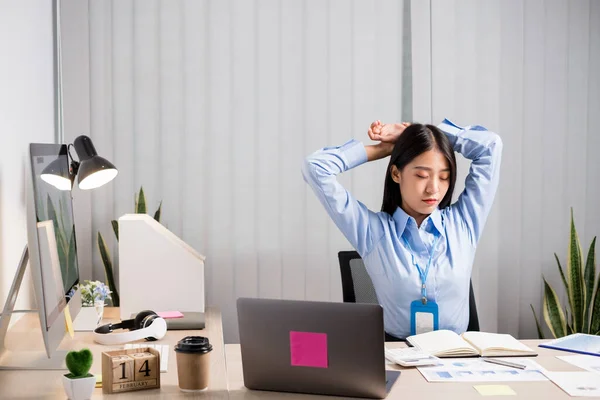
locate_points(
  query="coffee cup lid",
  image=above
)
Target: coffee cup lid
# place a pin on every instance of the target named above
(193, 344)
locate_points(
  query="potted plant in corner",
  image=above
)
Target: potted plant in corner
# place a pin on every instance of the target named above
(582, 314)
(79, 383)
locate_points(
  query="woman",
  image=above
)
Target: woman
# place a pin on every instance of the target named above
(419, 249)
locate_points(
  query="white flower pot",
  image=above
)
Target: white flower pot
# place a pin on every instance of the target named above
(89, 318)
(80, 388)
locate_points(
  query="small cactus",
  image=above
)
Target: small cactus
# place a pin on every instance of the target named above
(79, 363)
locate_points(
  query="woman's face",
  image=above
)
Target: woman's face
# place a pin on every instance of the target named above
(423, 183)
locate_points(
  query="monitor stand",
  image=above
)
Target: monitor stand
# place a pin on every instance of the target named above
(24, 359)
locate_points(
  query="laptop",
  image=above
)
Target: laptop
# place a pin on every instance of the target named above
(313, 347)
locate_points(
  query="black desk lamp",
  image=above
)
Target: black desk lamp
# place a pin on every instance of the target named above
(57, 174)
(92, 170)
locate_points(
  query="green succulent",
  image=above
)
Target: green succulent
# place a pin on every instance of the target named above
(583, 313)
(79, 363)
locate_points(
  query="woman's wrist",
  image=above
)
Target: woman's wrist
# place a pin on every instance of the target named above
(378, 151)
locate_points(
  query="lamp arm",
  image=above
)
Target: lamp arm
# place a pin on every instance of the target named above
(73, 165)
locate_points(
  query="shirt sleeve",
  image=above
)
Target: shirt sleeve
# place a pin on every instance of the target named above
(484, 149)
(352, 217)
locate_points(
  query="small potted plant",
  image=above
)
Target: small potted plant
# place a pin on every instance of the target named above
(93, 297)
(79, 383)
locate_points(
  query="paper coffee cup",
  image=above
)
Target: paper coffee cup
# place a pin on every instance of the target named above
(193, 363)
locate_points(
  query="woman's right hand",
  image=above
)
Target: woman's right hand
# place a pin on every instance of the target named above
(386, 133)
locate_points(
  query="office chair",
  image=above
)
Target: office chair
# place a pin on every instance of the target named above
(358, 288)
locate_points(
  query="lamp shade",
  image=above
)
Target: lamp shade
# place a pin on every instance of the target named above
(94, 171)
(57, 174)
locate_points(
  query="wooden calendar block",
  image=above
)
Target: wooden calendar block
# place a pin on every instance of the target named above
(145, 366)
(131, 369)
(122, 368)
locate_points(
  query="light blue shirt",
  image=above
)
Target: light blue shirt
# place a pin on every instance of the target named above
(380, 238)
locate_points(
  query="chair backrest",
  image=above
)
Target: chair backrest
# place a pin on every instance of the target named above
(356, 283)
(358, 288)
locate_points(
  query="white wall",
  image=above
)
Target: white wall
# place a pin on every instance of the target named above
(26, 115)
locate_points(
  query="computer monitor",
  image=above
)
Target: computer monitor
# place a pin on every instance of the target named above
(52, 252)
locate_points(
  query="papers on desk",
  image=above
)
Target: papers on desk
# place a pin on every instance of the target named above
(590, 363)
(477, 370)
(584, 384)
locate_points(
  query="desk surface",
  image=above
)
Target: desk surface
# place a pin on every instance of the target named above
(48, 384)
(412, 385)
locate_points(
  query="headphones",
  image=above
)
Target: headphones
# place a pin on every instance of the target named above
(146, 325)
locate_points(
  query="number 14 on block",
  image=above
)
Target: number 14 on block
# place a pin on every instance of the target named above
(131, 369)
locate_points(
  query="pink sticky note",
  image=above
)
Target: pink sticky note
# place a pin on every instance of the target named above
(308, 349)
(169, 314)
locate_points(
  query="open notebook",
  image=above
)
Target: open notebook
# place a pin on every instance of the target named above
(445, 343)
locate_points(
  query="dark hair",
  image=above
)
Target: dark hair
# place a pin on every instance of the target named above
(415, 140)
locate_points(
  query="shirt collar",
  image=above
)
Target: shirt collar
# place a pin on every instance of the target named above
(402, 219)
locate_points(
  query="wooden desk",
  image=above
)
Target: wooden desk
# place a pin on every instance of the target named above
(412, 385)
(25, 334)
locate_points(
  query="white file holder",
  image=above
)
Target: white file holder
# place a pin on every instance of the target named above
(157, 270)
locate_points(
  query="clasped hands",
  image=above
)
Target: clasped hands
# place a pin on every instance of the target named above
(386, 134)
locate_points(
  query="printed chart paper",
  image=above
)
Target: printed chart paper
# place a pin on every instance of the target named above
(477, 370)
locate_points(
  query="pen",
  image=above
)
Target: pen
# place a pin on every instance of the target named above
(505, 363)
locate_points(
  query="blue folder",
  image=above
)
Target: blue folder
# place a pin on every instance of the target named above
(577, 343)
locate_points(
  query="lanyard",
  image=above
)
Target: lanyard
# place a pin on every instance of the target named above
(422, 274)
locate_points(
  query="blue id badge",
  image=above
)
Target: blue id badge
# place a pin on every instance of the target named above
(423, 317)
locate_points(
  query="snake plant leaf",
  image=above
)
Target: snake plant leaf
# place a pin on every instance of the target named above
(553, 313)
(140, 205)
(562, 274)
(157, 213)
(115, 226)
(108, 268)
(537, 323)
(589, 275)
(575, 278)
(564, 280)
(569, 320)
(595, 310)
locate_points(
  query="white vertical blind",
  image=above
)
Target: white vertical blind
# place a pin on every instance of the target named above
(212, 105)
(530, 71)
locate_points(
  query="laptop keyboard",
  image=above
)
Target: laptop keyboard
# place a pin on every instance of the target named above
(163, 350)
